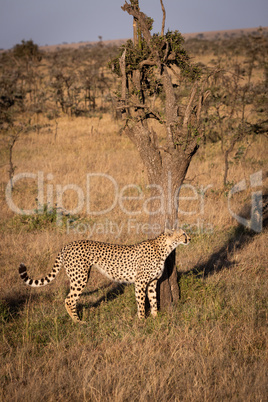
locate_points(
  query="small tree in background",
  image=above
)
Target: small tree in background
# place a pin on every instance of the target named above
(160, 98)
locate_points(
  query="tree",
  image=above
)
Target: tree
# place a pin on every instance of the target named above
(27, 50)
(160, 99)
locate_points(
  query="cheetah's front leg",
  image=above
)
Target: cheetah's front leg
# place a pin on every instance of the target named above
(140, 289)
(151, 291)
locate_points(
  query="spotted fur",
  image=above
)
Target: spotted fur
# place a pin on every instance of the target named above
(141, 263)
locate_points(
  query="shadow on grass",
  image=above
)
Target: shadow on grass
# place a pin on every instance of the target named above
(116, 290)
(223, 257)
(11, 306)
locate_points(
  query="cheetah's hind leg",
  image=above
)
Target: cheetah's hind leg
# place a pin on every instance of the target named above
(72, 298)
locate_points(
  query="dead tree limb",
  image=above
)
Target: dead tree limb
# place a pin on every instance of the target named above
(164, 18)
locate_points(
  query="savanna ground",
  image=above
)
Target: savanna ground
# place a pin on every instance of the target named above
(211, 346)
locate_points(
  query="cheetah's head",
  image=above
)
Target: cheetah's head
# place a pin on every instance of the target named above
(177, 236)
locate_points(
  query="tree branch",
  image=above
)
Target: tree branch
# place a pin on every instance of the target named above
(147, 63)
(164, 18)
(202, 99)
(122, 63)
(148, 150)
(189, 107)
(163, 72)
(140, 17)
(171, 110)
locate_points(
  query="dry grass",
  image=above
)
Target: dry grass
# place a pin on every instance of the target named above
(212, 346)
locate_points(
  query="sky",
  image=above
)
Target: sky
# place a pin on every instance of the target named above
(52, 22)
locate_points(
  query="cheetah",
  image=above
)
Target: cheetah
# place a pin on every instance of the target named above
(141, 264)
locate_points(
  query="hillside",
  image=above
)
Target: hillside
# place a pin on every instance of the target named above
(210, 35)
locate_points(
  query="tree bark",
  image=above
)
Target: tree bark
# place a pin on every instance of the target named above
(164, 18)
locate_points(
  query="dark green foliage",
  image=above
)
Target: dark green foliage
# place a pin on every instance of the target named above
(170, 49)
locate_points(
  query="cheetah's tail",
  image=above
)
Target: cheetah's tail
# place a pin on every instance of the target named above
(43, 281)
